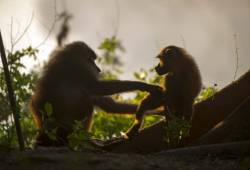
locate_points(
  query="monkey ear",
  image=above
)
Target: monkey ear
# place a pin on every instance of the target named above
(167, 50)
(161, 50)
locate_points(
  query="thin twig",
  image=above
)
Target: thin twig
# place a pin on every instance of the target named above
(51, 28)
(11, 35)
(19, 25)
(237, 56)
(183, 41)
(24, 31)
(117, 17)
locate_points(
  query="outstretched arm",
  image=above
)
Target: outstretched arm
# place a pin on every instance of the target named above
(102, 88)
(111, 106)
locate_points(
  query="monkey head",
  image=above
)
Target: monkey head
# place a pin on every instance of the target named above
(169, 60)
(90, 64)
(85, 57)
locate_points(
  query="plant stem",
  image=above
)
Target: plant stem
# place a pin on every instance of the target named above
(11, 95)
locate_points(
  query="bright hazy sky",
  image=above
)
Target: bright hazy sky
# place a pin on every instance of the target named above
(204, 27)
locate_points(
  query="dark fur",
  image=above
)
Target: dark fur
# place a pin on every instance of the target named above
(181, 87)
(70, 84)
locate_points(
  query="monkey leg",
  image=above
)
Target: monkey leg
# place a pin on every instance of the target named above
(150, 102)
(134, 129)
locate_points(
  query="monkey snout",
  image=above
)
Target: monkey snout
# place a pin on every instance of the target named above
(158, 70)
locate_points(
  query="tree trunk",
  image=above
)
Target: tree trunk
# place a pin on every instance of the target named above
(236, 127)
(216, 108)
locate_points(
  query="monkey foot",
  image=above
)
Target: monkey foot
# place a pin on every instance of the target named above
(131, 133)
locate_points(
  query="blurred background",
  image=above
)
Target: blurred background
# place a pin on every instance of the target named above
(211, 30)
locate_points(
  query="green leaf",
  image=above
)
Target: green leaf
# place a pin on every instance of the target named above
(48, 108)
(52, 134)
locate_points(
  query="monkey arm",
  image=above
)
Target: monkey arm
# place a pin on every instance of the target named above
(102, 88)
(111, 106)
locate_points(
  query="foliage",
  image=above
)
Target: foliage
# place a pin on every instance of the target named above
(79, 138)
(49, 123)
(206, 93)
(23, 83)
(109, 60)
(176, 129)
(106, 126)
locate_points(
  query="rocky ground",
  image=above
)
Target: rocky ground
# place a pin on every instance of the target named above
(53, 159)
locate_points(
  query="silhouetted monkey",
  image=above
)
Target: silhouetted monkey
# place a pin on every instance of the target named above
(70, 84)
(181, 87)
